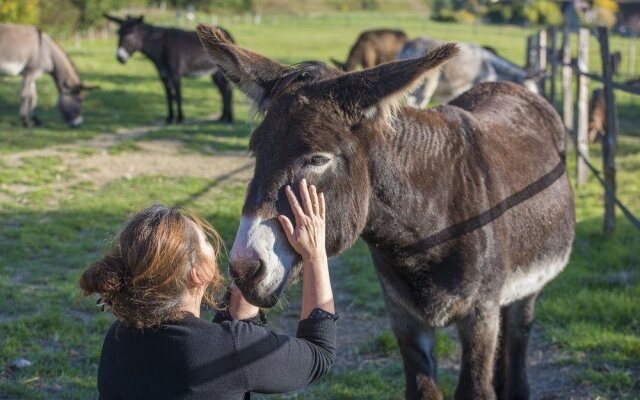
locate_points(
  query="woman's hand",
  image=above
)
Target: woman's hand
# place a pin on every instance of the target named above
(308, 239)
(308, 236)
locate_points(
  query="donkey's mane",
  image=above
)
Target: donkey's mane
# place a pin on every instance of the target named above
(307, 70)
(66, 60)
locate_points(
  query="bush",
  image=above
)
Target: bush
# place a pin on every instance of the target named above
(548, 12)
(464, 17)
(540, 12)
(59, 17)
(22, 11)
(499, 14)
(445, 15)
(460, 16)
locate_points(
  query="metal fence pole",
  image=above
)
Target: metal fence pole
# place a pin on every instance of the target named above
(567, 93)
(610, 139)
(582, 172)
(553, 56)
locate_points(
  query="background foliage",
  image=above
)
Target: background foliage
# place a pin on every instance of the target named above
(67, 16)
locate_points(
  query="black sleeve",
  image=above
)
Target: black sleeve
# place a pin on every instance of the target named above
(278, 363)
(223, 315)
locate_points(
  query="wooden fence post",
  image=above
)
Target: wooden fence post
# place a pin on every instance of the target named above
(567, 93)
(532, 58)
(582, 172)
(542, 60)
(553, 52)
(610, 139)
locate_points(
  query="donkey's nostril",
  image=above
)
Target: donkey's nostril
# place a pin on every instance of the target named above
(248, 270)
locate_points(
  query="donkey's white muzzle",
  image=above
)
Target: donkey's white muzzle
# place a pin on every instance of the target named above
(261, 260)
(122, 55)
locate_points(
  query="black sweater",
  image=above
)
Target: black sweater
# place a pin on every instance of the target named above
(196, 359)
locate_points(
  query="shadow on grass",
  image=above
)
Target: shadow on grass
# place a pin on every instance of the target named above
(132, 102)
(206, 136)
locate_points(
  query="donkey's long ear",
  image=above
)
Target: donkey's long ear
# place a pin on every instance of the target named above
(254, 74)
(111, 18)
(381, 89)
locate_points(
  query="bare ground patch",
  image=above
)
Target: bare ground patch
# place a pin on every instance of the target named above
(90, 162)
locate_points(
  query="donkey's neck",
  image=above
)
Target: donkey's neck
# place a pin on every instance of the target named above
(62, 69)
(505, 69)
(415, 175)
(152, 43)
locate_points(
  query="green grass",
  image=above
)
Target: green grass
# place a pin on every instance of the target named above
(589, 314)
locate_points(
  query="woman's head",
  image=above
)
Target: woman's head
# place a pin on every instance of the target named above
(160, 255)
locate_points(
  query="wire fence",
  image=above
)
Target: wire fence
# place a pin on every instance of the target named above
(547, 57)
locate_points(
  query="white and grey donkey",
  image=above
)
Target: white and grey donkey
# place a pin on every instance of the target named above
(474, 64)
(27, 51)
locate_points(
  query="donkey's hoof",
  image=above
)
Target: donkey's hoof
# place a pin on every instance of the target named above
(225, 120)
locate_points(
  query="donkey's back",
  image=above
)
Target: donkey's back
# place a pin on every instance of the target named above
(19, 45)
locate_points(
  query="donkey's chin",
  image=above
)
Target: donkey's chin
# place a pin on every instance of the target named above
(261, 296)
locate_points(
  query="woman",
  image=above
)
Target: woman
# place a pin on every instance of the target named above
(154, 280)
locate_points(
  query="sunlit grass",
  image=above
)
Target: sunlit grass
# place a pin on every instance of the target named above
(590, 313)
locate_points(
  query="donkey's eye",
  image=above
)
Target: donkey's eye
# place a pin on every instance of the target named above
(318, 160)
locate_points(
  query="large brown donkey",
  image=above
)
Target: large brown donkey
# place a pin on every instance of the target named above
(373, 48)
(466, 208)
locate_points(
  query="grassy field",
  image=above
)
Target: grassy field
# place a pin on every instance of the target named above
(63, 193)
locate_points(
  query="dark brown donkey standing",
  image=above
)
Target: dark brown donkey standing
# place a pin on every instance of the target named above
(175, 53)
(466, 208)
(374, 48)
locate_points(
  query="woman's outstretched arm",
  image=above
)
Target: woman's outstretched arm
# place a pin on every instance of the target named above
(278, 363)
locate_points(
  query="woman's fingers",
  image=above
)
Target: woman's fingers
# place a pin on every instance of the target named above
(321, 205)
(313, 193)
(287, 226)
(305, 198)
(298, 213)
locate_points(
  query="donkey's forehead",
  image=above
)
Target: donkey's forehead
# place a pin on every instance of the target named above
(296, 124)
(128, 24)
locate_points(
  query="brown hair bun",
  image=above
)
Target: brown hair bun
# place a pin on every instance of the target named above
(105, 276)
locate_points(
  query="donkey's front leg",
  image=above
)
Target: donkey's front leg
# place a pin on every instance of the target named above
(416, 341)
(416, 347)
(479, 336)
(169, 92)
(28, 99)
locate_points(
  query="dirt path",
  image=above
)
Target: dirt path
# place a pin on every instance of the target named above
(91, 161)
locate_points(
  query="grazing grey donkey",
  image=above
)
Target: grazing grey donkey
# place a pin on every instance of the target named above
(27, 51)
(474, 64)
